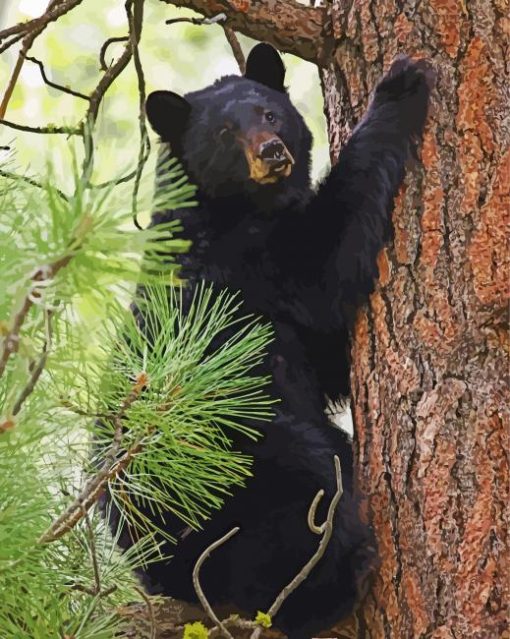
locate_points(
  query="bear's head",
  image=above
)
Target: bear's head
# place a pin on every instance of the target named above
(239, 135)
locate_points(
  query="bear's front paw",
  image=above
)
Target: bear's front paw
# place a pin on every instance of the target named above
(406, 89)
(406, 79)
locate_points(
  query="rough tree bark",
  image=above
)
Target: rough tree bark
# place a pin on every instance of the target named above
(430, 356)
(430, 353)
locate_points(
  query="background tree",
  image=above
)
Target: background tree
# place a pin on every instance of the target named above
(430, 352)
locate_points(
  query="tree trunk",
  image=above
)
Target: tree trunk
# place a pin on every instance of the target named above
(430, 354)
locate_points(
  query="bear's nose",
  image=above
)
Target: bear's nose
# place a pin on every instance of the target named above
(273, 151)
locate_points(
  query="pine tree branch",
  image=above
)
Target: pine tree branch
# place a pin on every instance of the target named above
(288, 25)
(112, 466)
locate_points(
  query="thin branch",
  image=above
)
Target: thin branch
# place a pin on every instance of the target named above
(112, 466)
(102, 53)
(135, 20)
(11, 340)
(93, 554)
(28, 180)
(31, 34)
(10, 344)
(39, 367)
(236, 48)
(103, 185)
(57, 9)
(150, 610)
(83, 413)
(97, 96)
(326, 529)
(234, 621)
(25, 47)
(46, 130)
(106, 81)
(196, 580)
(220, 17)
(54, 85)
(229, 34)
(11, 42)
(318, 530)
(288, 25)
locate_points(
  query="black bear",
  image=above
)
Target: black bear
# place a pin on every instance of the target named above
(304, 261)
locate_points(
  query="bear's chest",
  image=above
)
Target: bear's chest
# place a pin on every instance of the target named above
(236, 259)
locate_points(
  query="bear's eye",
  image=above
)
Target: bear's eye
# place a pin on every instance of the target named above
(269, 115)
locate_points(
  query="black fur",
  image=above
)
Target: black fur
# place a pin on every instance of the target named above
(303, 261)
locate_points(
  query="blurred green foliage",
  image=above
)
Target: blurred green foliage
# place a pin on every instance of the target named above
(180, 57)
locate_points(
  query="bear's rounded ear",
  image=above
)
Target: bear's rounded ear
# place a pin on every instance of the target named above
(264, 65)
(168, 114)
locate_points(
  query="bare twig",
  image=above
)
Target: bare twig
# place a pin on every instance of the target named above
(28, 180)
(229, 33)
(92, 593)
(38, 26)
(234, 621)
(93, 554)
(39, 367)
(106, 81)
(56, 10)
(10, 344)
(46, 130)
(326, 529)
(102, 87)
(54, 85)
(96, 98)
(83, 413)
(318, 530)
(104, 48)
(196, 580)
(103, 185)
(112, 466)
(150, 610)
(220, 17)
(236, 48)
(27, 43)
(11, 42)
(135, 19)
